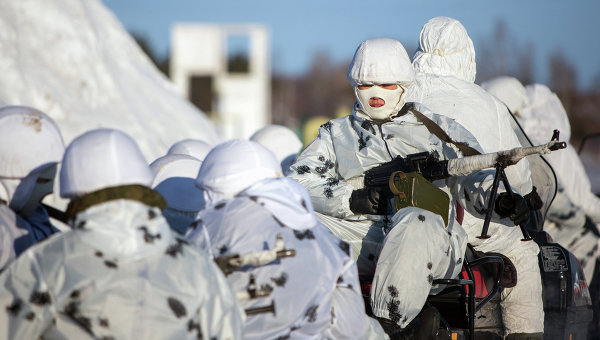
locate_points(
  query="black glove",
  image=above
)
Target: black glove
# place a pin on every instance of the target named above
(372, 201)
(514, 208)
(590, 226)
(534, 201)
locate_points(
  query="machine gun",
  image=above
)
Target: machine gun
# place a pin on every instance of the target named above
(409, 178)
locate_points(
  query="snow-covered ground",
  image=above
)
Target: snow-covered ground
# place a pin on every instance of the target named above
(75, 61)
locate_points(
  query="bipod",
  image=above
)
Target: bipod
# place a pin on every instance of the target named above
(500, 176)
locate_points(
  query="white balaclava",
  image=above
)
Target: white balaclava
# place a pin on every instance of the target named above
(174, 178)
(280, 140)
(191, 147)
(381, 61)
(233, 166)
(511, 92)
(100, 159)
(445, 49)
(31, 145)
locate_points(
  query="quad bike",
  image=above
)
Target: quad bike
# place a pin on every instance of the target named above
(468, 307)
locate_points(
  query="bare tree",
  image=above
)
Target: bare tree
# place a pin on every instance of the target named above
(502, 55)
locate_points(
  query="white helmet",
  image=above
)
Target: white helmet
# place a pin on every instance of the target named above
(510, 91)
(191, 147)
(445, 49)
(28, 139)
(280, 140)
(101, 159)
(30, 147)
(378, 62)
(234, 166)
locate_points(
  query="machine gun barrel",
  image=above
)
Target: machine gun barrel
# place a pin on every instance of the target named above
(466, 165)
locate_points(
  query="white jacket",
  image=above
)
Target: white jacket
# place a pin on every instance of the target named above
(316, 292)
(547, 113)
(120, 273)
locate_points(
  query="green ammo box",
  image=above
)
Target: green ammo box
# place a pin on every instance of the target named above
(413, 190)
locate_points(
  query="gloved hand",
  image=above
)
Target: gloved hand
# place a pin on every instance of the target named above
(372, 201)
(514, 208)
(534, 201)
(590, 226)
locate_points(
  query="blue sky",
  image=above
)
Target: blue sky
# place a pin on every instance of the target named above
(299, 28)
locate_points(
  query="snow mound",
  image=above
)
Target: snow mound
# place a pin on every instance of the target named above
(74, 60)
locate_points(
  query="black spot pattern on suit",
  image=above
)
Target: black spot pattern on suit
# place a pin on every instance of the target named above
(311, 313)
(281, 280)
(566, 216)
(421, 218)
(266, 287)
(151, 214)
(195, 326)
(220, 206)
(345, 247)
(223, 249)
(80, 225)
(591, 252)
(430, 278)
(254, 198)
(148, 237)
(98, 253)
(388, 137)
(328, 193)
(393, 291)
(40, 298)
(176, 248)
(103, 322)
(177, 307)
(367, 125)
(392, 308)
(429, 265)
(110, 264)
(340, 280)
(362, 141)
(30, 316)
(74, 294)
(327, 126)
(15, 307)
(304, 205)
(306, 234)
(302, 169)
(333, 182)
(72, 310)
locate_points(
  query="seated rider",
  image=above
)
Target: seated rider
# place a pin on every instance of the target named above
(404, 251)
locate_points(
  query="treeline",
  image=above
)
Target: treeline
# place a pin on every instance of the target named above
(324, 91)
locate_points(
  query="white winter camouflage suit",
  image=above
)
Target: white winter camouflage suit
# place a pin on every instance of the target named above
(445, 66)
(316, 293)
(120, 272)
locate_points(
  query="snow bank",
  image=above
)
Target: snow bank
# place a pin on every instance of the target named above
(74, 60)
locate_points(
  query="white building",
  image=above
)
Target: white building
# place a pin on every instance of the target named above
(238, 102)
